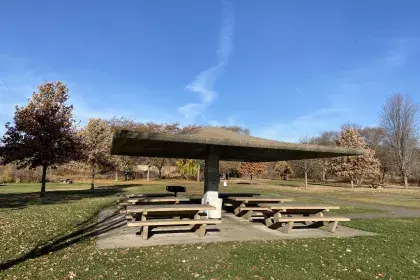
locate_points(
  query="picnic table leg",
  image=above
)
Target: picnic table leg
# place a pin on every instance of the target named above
(196, 217)
(288, 227)
(145, 231)
(201, 230)
(276, 217)
(248, 215)
(268, 221)
(307, 223)
(331, 227)
(237, 210)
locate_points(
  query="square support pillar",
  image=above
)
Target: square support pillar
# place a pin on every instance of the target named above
(211, 175)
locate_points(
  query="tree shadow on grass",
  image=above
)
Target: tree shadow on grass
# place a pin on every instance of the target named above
(85, 230)
(22, 200)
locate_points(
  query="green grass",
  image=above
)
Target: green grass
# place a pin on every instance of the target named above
(56, 233)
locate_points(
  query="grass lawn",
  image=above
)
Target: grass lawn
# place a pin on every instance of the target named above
(387, 196)
(57, 236)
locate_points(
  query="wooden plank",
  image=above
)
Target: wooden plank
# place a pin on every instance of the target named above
(227, 195)
(170, 222)
(260, 199)
(256, 208)
(287, 206)
(313, 219)
(169, 208)
(157, 199)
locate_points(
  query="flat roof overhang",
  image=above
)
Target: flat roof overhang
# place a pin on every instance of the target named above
(229, 145)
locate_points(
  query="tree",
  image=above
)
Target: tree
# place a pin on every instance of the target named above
(282, 169)
(399, 119)
(97, 138)
(327, 138)
(375, 138)
(306, 165)
(354, 168)
(188, 167)
(43, 133)
(226, 167)
(252, 168)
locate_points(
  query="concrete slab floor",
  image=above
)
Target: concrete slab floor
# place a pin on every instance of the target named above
(232, 228)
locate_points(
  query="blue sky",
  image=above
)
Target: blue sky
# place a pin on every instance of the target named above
(284, 69)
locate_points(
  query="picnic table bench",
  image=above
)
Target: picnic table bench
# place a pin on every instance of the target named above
(151, 200)
(174, 215)
(310, 213)
(245, 206)
(123, 197)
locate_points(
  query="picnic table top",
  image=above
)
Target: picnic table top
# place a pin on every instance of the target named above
(158, 199)
(298, 206)
(169, 208)
(162, 194)
(259, 199)
(226, 195)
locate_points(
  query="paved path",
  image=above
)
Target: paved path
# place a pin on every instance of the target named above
(391, 211)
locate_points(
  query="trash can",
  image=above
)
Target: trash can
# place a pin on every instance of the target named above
(215, 214)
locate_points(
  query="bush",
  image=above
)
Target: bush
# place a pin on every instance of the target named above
(7, 174)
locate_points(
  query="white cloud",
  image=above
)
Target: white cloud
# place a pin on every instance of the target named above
(203, 83)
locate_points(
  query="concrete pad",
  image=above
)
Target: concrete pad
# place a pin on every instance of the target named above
(232, 228)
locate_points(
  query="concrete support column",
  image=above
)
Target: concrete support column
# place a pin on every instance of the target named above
(211, 175)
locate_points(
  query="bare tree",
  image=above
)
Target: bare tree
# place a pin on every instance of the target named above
(399, 120)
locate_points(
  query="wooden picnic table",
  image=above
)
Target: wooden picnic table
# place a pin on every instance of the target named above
(277, 210)
(245, 206)
(173, 215)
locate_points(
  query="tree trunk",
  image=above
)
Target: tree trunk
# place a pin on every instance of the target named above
(352, 183)
(160, 173)
(306, 180)
(116, 176)
(92, 181)
(148, 172)
(198, 173)
(405, 181)
(43, 180)
(324, 177)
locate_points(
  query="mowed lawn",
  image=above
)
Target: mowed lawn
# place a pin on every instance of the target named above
(54, 238)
